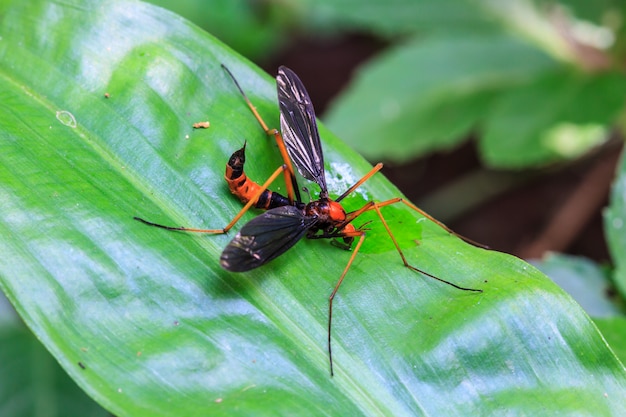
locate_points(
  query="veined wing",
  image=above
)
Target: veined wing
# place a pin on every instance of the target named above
(265, 237)
(299, 127)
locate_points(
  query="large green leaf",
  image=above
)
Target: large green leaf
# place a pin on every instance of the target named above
(252, 28)
(36, 385)
(584, 280)
(162, 330)
(588, 283)
(399, 17)
(559, 115)
(595, 11)
(614, 331)
(427, 94)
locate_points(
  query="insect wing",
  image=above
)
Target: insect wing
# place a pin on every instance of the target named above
(299, 127)
(265, 237)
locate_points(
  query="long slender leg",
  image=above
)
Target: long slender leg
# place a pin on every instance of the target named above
(357, 213)
(332, 295)
(235, 219)
(356, 185)
(431, 218)
(361, 234)
(290, 176)
(376, 207)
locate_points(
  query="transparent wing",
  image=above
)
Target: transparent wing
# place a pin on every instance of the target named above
(265, 237)
(299, 127)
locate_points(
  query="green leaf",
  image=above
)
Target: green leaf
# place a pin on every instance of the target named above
(162, 330)
(595, 11)
(614, 224)
(588, 283)
(254, 29)
(614, 330)
(558, 116)
(399, 17)
(427, 94)
(582, 279)
(32, 383)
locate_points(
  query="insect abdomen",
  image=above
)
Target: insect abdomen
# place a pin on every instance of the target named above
(244, 188)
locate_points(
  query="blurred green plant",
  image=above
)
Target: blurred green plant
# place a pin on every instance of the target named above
(539, 81)
(254, 28)
(592, 287)
(31, 381)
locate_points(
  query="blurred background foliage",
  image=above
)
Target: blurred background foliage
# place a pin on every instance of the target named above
(538, 81)
(503, 118)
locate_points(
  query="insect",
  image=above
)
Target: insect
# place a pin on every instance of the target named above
(287, 219)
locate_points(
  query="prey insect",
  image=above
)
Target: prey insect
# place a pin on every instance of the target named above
(287, 219)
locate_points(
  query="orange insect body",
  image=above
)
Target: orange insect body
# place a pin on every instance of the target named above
(287, 219)
(246, 189)
(330, 214)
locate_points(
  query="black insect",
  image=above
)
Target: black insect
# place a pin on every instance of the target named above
(288, 219)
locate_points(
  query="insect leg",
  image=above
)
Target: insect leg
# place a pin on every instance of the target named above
(355, 214)
(235, 219)
(366, 177)
(429, 217)
(377, 206)
(290, 177)
(332, 295)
